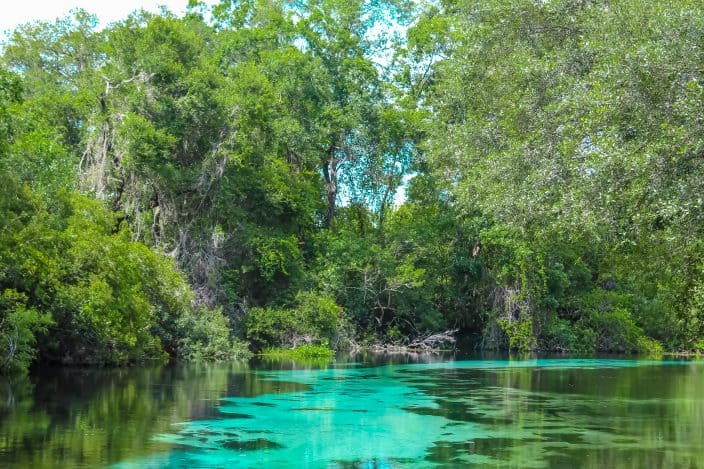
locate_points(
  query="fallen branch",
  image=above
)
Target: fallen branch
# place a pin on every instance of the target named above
(434, 341)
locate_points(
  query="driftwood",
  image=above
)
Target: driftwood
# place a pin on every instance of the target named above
(436, 341)
(424, 343)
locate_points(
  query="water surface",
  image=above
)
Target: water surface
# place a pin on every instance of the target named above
(365, 413)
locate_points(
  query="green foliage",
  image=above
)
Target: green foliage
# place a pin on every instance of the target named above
(19, 327)
(568, 143)
(552, 180)
(615, 330)
(92, 295)
(206, 336)
(699, 347)
(563, 336)
(302, 353)
(692, 322)
(10, 94)
(313, 318)
(519, 333)
(649, 346)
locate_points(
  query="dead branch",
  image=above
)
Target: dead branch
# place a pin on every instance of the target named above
(434, 341)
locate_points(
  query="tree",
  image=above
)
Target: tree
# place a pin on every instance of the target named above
(540, 121)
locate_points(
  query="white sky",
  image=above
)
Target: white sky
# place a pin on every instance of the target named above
(16, 12)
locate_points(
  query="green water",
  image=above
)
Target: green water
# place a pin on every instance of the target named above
(365, 413)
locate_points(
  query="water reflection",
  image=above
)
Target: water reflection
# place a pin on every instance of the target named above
(88, 418)
(359, 412)
(634, 417)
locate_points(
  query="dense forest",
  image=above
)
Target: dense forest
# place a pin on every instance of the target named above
(525, 175)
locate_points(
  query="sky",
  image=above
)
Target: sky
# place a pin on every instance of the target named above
(16, 12)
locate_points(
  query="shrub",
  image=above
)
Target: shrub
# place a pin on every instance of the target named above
(519, 333)
(71, 273)
(562, 336)
(615, 330)
(649, 346)
(692, 321)
(699, 347)
(206, 336)
(18, 327)
(313, 319)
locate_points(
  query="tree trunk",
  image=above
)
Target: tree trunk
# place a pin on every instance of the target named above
(330, 175)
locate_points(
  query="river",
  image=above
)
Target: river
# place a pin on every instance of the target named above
(369, 412)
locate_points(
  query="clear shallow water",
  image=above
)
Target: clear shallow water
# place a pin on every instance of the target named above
(479, 413)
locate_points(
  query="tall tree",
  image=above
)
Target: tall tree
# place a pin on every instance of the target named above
(575, 122)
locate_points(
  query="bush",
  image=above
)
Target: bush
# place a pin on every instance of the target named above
(649, 346)
(206, 336)
(519, 333)
(692, 321)
(699, 347)
(18, 328)
(314, 319)
(615, 330)
(562, 336)
(72, 274)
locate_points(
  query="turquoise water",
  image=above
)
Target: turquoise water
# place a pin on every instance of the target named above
(479, 413)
